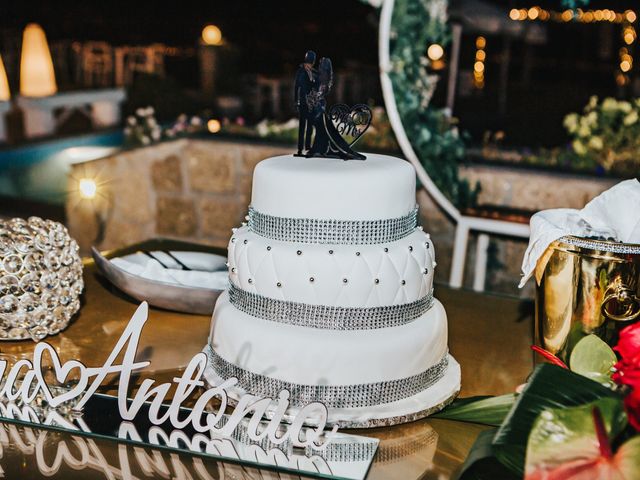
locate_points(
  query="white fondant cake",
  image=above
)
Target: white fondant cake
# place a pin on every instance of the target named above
(331, 294)
(330, 188)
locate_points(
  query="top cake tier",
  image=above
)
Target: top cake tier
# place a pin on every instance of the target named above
(380, 187)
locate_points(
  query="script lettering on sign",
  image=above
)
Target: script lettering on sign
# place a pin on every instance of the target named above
(25, 381)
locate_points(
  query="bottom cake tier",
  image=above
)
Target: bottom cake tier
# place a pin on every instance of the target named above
(366, 378)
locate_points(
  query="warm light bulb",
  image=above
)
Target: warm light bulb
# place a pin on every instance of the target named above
(481, 42)
(567, 15)
(533, 13)
(87, 188)
(211, 35)
(625, 65)
(435, 52)
(514, 14)
(37, 78)
(214, 125)
(478, 67)
(630, 15)
(4, 84)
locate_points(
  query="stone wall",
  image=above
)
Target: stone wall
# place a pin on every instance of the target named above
(193, 190)
(198, 190)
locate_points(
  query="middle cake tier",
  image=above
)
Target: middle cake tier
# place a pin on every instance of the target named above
(310, 356)
(388, 274)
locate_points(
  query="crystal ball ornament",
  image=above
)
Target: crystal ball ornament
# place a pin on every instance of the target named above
(40, 278)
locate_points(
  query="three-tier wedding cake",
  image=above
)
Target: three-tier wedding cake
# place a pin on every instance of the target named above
(331, 294)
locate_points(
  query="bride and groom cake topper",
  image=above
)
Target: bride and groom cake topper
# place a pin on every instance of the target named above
(337, 128)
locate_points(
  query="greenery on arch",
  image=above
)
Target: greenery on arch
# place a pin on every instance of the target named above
(433, 133)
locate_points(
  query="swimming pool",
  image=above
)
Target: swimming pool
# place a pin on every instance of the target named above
(38, 171)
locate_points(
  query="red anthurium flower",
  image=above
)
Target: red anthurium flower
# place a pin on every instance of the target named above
(550, 357)
(629, 343)
(627, 373)
(632, 407)
(628, 370)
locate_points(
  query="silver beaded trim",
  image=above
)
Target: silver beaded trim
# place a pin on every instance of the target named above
(335, 232)
(602, 245)
(327, 317)
(332, 396)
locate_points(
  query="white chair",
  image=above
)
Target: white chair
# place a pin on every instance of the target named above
(464, 223)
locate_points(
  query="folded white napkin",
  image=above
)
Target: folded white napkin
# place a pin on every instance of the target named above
(207, 270)
(614, 213)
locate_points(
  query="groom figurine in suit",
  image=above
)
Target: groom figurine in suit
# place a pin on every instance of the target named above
(305, 80)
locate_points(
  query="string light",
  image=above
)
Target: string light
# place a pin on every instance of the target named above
(626, 60)
(537, 13)
(629, 34)
(478, 66)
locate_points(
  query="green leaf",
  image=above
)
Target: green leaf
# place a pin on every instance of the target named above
(593, 358)
(549, 387)
(481, 463)
(484, 410)
(562, 435)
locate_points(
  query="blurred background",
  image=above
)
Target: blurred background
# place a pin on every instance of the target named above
(187, 96)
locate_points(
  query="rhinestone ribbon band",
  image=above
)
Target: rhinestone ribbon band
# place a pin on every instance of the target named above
(332, 396)
(603, 246)
(327, 317)
(335, 232)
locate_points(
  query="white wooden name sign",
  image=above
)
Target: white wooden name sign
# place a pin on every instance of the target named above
(25, 381)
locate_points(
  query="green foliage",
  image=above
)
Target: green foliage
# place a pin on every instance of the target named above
(594, 359)
(484, 410)
(607, 134)
(415, 25)
(481, 464)
(574, 3)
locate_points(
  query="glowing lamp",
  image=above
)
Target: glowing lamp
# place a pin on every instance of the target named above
(435, 52)
(87, 188)
(211, 35)
(481, 42)
(214, 125)
(37, 78)
(630, 15)
(4, 84)
(514, 14)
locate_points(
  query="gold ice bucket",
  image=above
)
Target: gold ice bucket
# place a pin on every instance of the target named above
(587, 286)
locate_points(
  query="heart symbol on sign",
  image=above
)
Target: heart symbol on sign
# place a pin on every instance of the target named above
(61, 372)
(351, 122)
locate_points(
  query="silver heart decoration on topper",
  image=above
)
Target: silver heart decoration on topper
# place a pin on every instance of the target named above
(351, 122)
